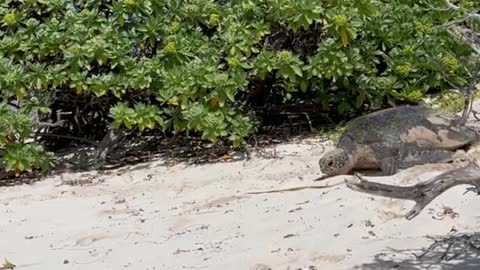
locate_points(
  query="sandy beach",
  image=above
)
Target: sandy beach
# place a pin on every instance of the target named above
(152, 216)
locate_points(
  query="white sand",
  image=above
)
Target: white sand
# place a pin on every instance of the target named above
(193, 217)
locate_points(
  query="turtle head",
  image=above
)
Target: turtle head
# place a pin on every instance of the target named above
(336, 162)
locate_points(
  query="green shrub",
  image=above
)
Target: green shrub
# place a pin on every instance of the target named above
(193, 59)
(18, 154)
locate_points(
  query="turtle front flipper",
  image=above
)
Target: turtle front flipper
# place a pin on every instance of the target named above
(389, 165)
(408, 158)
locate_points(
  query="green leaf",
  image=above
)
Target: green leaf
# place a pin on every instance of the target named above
(303, 85)
(345, 37)
(10, 164)
(44, 109)
(343, 107)
(297, 70)
(359, 100)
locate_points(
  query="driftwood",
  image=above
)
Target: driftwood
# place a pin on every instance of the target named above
(422, 193)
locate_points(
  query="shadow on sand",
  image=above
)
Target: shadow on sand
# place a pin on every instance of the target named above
(453, 252)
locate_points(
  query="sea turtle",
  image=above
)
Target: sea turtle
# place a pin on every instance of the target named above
(397, 138)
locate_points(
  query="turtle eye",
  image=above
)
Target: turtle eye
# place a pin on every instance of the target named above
(330, 163)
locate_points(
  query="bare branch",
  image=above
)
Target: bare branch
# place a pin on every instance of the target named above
(469, 95)
(451, 6)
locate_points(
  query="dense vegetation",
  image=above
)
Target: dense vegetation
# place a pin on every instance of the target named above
(202, 66)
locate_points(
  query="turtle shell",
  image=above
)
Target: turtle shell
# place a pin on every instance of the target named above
(383, 132)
